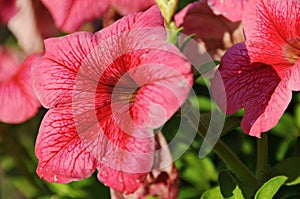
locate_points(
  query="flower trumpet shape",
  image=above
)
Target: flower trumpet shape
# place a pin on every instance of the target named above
(106, 93)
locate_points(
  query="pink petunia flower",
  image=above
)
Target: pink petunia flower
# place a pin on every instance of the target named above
(7, 10)
(214, 33)
(231, 9)
(17, 99)
(260, 74)
(106, 93)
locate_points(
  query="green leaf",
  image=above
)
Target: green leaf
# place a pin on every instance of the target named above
(229, 187)
(289, 168)
(185, 193)
(295, 182)
(152, 197)
(214, 193)
(199, 172)
(270, 188)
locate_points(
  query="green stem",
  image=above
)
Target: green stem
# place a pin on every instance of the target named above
(262, 157)
(234, 163)
(221, 149)
(172, 34)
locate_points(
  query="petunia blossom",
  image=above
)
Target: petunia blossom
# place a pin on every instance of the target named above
(106, 93)
(214, 33)
(17, 99)
(163, 181)
(260, 74)
(231, 9)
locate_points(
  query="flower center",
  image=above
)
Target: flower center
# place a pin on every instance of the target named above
(292, 50)
(133, 96)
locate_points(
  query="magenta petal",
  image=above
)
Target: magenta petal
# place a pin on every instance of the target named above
(54, 74)
(62, 156)
(255, 87)
(124, 7)
(70, 15)
(17, 99)
(231, 9)
(269, 26)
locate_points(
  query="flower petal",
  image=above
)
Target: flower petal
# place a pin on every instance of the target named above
(163, 88)
(256, 87)
(231, 9)
(54, 74)
(124, 7)
(151, 18)
(17, 99)
(62, 155)
(123, 182)
(269, 26)
(294, 81)
(70, 15)
(125, 159)
(163, 181)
